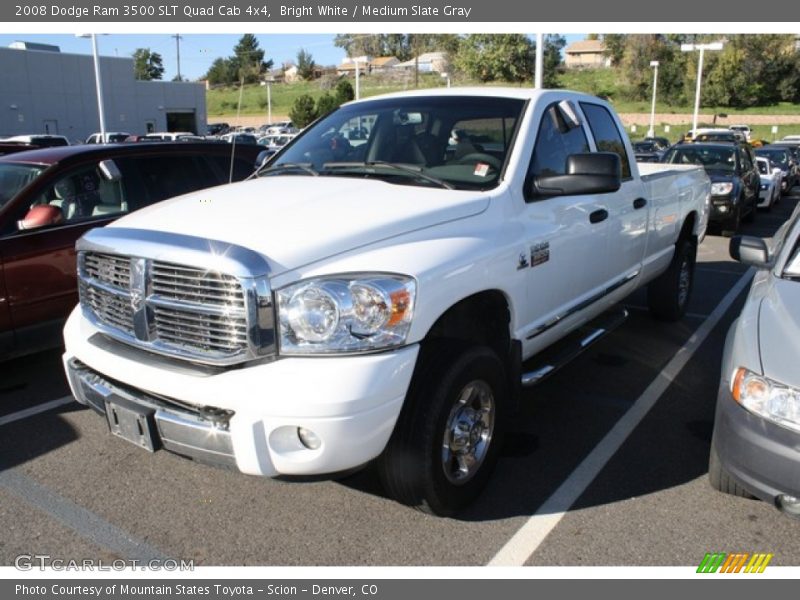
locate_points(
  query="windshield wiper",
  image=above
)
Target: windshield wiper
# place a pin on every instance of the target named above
(407, 169)
(290, 167)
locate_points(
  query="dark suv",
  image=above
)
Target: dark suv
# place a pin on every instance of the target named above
(50, 197)
(734, 178)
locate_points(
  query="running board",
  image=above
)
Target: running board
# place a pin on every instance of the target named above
(563, 352)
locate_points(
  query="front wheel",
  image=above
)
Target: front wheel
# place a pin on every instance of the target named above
(446, 441)
(668, 295)
(721, 480)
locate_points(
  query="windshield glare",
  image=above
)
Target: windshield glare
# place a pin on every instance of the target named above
(462, 141)
(14, 177)
(710, 158)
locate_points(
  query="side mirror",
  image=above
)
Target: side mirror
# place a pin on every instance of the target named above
(750, 250)
(40, 216)
(109, 170)
(589, 173)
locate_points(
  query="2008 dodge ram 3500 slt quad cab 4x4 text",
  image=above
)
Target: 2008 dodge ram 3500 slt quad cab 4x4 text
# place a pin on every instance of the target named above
(378, 292)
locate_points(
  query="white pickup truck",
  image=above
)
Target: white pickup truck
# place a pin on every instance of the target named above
(383, 291)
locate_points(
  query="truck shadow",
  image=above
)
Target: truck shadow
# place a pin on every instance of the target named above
(563, 419)
(23, 388)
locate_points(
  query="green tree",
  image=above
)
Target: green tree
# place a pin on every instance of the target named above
(326, 104)
(305, 65)
(248, 59)
(403, 46)
(636, 74)
(147, 65)
(615, 46)
(751, 70)
(303, 111)
(344, 92)
(552, 63)
(496, 57)
(221, 72)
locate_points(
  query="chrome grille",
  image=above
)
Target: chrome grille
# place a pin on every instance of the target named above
(174, 309)
(186, 284)
(209, 332)
(110, 308)
(109, 269)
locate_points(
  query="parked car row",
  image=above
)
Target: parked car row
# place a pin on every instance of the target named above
(50, 197)
(745, 177)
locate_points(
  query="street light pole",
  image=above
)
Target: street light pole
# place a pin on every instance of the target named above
(538, 76)
(702, 48)
(268, 82)
(358, 87)
(98, 82)
(652, 131)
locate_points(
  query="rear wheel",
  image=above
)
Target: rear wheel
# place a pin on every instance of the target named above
(668, 295)
(446, 441)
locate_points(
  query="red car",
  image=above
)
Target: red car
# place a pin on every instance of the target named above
(50, 197)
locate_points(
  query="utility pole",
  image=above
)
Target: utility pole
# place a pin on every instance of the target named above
(178, 37)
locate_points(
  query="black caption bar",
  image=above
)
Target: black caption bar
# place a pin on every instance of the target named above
(393, 589)
(447, 11)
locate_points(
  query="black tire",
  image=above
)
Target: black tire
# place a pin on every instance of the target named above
(731, 227)
(721, 480)
(417, 467)
(668, 295)
(751, 215)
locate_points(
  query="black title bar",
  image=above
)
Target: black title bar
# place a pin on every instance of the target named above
(433, 11)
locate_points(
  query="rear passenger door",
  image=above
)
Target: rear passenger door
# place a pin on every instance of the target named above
(157, 177)
(627, 208)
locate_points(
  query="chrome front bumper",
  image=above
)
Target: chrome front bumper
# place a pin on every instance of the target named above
(153, 423)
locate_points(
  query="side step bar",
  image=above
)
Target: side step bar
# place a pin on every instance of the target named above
(577, 342)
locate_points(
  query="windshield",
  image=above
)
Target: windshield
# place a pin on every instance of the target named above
(710, 158)
(457, 142)
(776, 156)
(14, 177)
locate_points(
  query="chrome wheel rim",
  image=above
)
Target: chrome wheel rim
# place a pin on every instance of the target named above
(684, 282)
(468, 432)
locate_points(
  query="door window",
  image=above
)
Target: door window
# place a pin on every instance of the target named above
(606, 134)
(84, 194)
(555, 141)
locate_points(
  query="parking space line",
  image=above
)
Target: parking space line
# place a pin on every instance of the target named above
(530, 536)
(35, 410)
(84, 522)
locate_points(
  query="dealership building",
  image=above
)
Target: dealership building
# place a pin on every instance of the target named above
(43, 90)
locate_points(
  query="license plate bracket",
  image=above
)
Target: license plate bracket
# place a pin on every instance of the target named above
(132, 422)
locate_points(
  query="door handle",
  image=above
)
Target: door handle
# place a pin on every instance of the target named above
(598, 216)
(639, 203)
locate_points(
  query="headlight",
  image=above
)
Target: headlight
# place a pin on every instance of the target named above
(721, 189)
(348, 313)
(764, 186)
(769, 399)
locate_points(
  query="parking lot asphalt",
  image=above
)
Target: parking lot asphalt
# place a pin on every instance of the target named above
(606, 465)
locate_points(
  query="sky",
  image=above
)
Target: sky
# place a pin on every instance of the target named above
(198, 51)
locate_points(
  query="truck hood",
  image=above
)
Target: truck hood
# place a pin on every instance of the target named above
(779, 331)
(296, 220)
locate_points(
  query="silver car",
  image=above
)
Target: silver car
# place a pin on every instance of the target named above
(755, 450)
